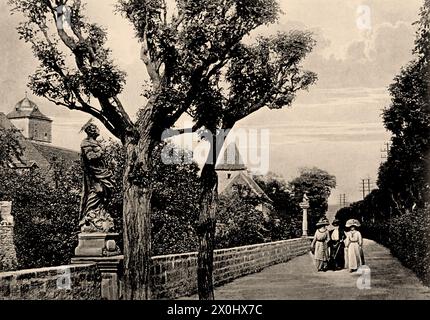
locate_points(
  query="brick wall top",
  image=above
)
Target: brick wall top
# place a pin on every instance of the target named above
(222, 251)
(41, 271)
(70, 282)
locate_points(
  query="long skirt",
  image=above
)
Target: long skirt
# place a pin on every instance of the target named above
(321, 265)
(337, 256)
(321, 255)
(354, 257)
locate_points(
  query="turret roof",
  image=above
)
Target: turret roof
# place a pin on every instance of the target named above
(27, 109)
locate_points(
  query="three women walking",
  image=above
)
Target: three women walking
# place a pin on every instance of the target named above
(337, 249)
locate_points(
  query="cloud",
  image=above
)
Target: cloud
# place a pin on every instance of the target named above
(370, 62)
(371, 59)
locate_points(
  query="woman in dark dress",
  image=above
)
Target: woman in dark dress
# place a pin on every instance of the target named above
(337, 247)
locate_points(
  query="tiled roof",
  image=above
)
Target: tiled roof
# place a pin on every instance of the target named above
(39, 154)
(30, 156)
(54, 154)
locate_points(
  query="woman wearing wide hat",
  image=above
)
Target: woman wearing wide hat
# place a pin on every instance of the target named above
(319, 245)
(337, 247)
(354, 257)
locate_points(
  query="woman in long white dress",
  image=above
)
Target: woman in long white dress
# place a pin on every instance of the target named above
(354, 257)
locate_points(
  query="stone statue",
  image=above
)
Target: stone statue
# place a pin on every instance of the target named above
(305, 198)
(97, 184)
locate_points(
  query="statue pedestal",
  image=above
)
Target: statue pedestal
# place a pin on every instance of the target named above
(97, 245)
(101, 249)
(110, 271)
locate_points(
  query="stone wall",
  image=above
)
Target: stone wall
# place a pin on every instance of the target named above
(174, 276)
(73, 282)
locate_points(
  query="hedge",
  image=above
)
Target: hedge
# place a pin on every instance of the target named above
(408, 238)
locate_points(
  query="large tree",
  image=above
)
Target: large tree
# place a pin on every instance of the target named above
(317, 184)
(405, 175)
(197, 64)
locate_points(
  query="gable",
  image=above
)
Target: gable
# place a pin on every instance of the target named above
(245, 180)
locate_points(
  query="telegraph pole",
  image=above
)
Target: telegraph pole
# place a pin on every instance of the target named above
(342, 200)
(365, 186)
(386, 151)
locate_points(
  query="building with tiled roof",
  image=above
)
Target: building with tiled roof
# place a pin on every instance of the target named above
(232, 172)
(33, 124)
(35, 138)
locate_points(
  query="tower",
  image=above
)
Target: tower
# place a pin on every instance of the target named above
(33, 124)
(230, 165)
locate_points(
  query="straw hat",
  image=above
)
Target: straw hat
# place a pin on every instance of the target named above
(353, 222)
(322, 222)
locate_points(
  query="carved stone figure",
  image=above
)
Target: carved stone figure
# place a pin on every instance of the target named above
(97, 184)
(305, 198)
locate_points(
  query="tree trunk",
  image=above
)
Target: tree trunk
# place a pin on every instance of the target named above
(207, 219)
(206, 232)
(137, 220)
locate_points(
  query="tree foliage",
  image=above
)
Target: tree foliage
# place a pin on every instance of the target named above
(286, 211)
(406, 174)
(10, 149)
(175, 200)
(240, 223)
(46, 217)
(317, 184)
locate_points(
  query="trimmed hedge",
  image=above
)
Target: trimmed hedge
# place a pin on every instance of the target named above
(408, 238)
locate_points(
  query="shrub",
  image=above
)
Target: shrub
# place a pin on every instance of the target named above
(410, 241)
(408, 238)
(46, 217)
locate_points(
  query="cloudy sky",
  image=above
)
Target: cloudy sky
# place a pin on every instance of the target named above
(335, 126)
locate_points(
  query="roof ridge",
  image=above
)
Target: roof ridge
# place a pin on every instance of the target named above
(30, 110)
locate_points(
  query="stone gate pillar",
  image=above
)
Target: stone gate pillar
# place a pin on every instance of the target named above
(101, 249)
(304, 205)
(8, 259)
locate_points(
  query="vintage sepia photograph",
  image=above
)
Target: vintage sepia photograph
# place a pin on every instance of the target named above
(214, 150)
